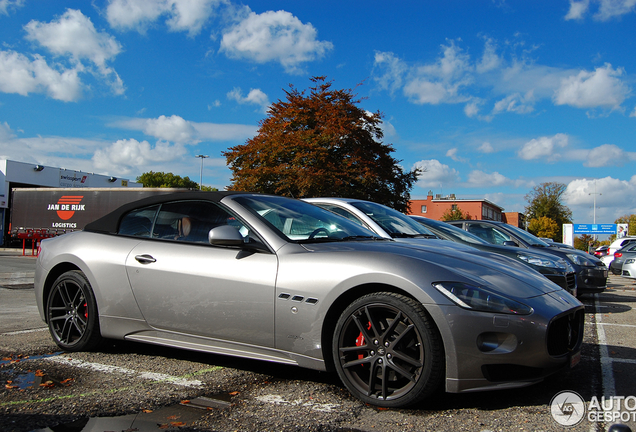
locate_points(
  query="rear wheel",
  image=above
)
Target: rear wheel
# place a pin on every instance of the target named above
(72, 313)
(387, 351)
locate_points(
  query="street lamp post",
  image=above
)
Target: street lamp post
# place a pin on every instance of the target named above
(201, 176)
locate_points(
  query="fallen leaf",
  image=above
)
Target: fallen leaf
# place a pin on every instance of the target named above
(147, 411)
(234, 393)
(9, 386)
(177, 423)
(185, 401)
(39, 373)
(173, 417)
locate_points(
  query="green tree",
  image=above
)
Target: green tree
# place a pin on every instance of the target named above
(545, 200)
(321, 143)
(544, 227)
(166, 180)
(454, 213)
(585, 242)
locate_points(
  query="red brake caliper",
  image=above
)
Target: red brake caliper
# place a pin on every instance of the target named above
(86, 309)
(360, 340)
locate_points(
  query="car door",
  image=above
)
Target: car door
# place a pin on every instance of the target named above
(182, 283)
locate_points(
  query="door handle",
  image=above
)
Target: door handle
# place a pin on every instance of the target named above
(145, 259)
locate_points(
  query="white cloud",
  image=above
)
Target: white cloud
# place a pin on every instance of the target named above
(274, 36)
(614, 8)
(391, 71)
(452, 153)
(577, 9)
(7, 5)
(490, 60)
(19, 74)
(600, 88)
(177, 129)
(515, 85)
(544, 148)
(607, 155)
(74, 35)
(254, 97)
(173, 128)
(607, 9)
(471, 109)
(128, 155)
(440, 82)
(182, 15)
(610, 194)
(435, 173)
(515, 103)
(486, 147)
(479, 178)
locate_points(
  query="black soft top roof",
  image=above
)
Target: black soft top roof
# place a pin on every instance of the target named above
(110, 222)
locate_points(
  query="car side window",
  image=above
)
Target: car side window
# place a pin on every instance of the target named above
(191, 221)
(138, 223)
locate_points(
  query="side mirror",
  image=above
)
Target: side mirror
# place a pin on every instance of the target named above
(225, 235)
(510, 243)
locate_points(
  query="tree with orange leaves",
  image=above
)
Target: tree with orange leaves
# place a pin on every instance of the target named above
(321, 144)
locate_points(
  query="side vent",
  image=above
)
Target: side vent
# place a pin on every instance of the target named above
(284, 296)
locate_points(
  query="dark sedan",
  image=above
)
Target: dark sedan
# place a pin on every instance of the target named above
(558, 270)
(591, 273)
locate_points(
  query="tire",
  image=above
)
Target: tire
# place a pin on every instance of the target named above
(387, 351)
(72, 313)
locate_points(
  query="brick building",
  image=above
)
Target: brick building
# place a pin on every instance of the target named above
(433, 207)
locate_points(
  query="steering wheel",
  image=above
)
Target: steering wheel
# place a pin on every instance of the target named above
(317, 231)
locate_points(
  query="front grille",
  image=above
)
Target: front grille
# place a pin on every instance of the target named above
(565, 333)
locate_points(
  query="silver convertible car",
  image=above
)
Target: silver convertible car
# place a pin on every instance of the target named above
(278, 279)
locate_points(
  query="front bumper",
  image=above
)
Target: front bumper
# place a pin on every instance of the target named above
(496, 351)
(592, 279)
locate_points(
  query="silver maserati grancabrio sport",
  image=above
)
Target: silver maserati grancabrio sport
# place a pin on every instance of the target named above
(278, 279)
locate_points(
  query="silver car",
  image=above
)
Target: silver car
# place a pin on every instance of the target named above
(278, 279)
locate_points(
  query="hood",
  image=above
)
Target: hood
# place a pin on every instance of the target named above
(489, 270)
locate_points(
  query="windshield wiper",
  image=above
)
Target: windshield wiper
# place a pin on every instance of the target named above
(403, 235)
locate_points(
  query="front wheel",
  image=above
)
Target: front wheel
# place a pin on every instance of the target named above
(72, 313)
(387, 351)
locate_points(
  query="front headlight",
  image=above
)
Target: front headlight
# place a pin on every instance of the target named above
(581, 260)
(540, 261)
(479, 299)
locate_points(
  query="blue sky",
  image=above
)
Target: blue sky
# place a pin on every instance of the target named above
(490, 97)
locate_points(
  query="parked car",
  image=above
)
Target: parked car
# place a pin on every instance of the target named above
(591, 273)
(629, 268)
(616, 245)
(558, 270)
(278, 279)
(601, 251)
(621, 256)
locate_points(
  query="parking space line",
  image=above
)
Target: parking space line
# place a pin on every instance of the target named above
(98, 367)
(24, 331)
(618, 325)
(607, 373)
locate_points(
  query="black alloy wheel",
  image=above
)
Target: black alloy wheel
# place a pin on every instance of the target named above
(72, 313)
(387, 350)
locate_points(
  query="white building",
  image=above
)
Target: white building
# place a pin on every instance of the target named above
(27, 175)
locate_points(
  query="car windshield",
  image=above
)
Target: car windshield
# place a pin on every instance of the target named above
(447, 230)
(396, 224)
(303, 222)
(527, 237)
